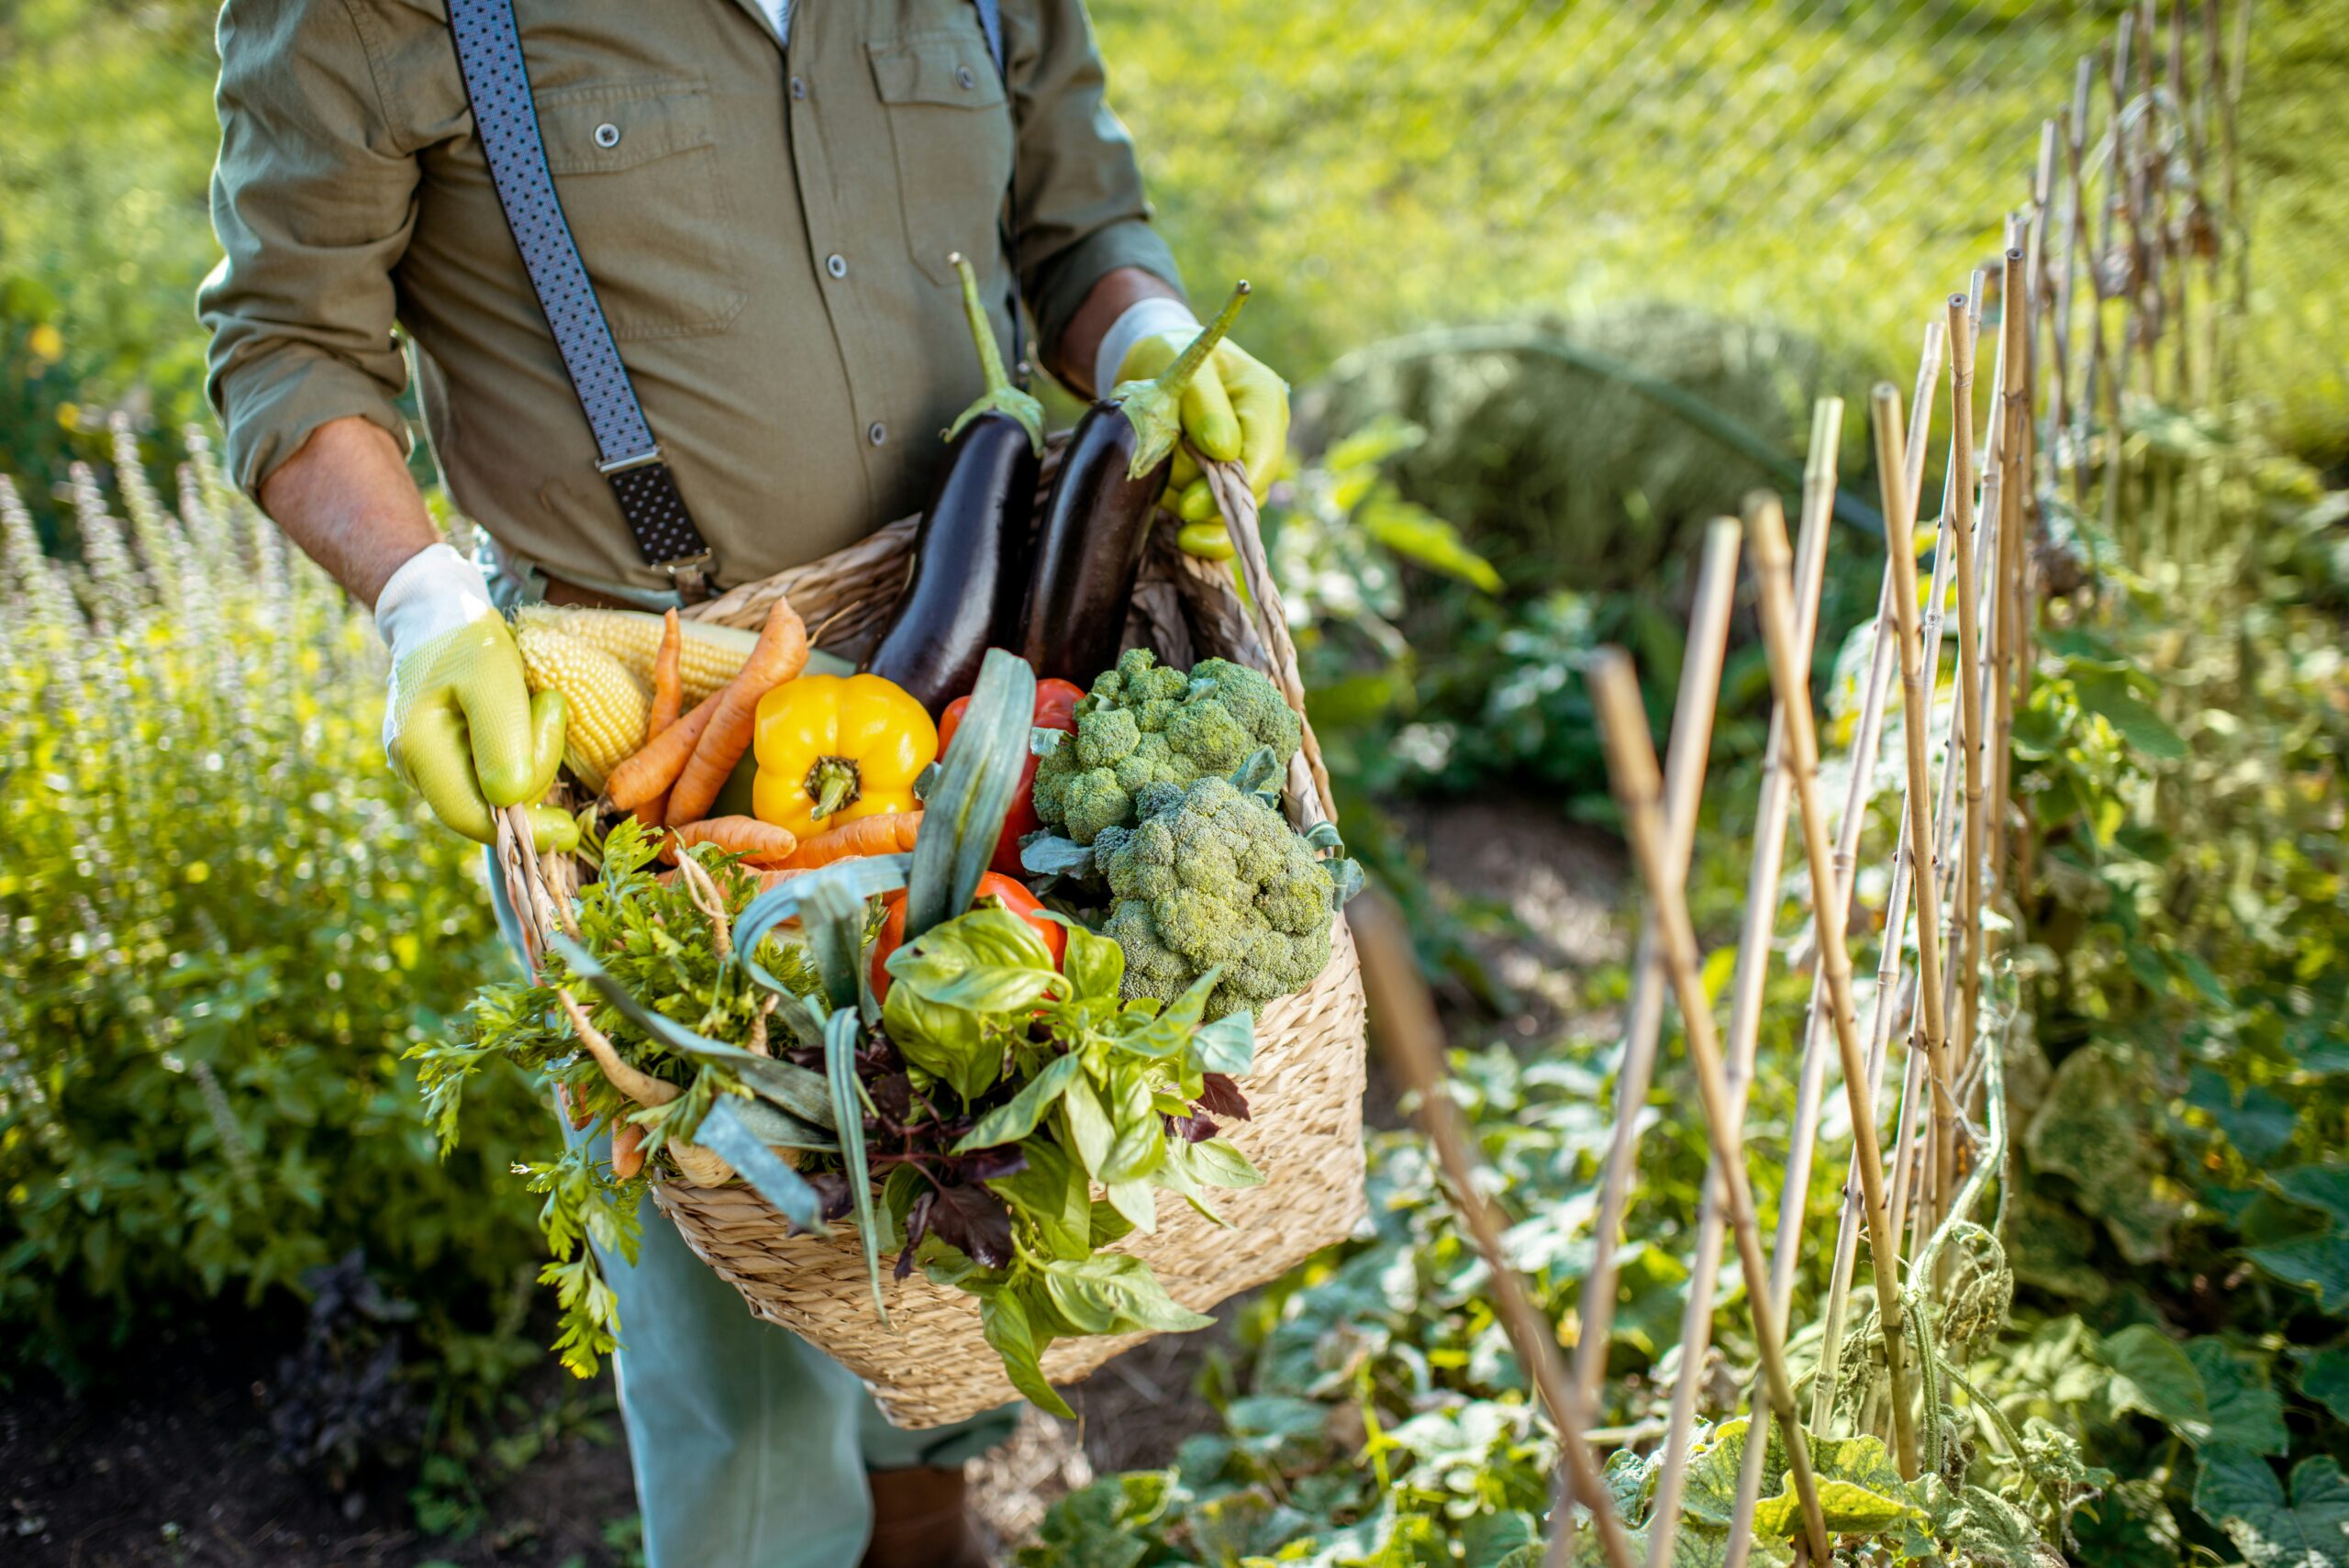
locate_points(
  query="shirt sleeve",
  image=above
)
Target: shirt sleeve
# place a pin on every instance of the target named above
(1077, 202)
(313, 200)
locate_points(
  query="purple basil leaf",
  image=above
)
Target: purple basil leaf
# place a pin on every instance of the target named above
(1218, 1095)
(991, 1165)
(972, 1218)
(1192, 1128)
(893, 1097)
(917, 1227)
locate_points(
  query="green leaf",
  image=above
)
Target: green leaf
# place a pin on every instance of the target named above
(2151, 1373)
(1220, 1163)
(1227, 1046)
(964, 816)
(1138, 1145)
(2245, 1412)
(946, 1042)
(1095, 965)
(1004, 1322)
(1123, 1288)
(2325, 1187)
(1054, 1194)
(2107, 693)
(1019, 1118)
(1137, 1201)
(2325, 1379)
(1086, 1123)
(2238, 1492)
(2320, 1263)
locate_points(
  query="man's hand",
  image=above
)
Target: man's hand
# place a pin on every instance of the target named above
(1235, 410)
(459, 723)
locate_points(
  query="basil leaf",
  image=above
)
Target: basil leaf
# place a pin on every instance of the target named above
(1108, 1226)
(1138, 1146)
(1219, 1161)
(1004, 1321)
(1227, 1046)
(1018, 1118)
(1087, 1123)
(1094, 967)
(1178, 1176)
(1124, 1287)
(949, 1042)
(1138, 1201)
(990, 989)
(1054, 1194)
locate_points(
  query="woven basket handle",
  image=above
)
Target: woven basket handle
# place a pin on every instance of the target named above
(1227, 482)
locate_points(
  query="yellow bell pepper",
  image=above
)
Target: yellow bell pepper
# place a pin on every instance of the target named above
(832, 748)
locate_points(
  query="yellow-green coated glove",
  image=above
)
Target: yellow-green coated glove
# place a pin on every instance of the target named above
(460, 725)
(1235, 409)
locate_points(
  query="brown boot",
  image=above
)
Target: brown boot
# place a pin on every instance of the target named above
(921, 1520)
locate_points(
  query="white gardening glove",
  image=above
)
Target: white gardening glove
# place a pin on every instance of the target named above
(459, 724)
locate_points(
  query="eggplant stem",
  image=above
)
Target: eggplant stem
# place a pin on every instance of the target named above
(1001, 396)
(835, 784)
(1155, 407)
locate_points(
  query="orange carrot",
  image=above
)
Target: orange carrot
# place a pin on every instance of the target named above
(887, 833)
(781, 653)
(658, 763)
(760, 844)
(668, 695)
(628, 1150)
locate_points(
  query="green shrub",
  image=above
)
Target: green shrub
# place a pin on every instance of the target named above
(225, 923)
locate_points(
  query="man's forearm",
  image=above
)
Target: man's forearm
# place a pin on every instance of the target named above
(1072, 356)
(347, 500)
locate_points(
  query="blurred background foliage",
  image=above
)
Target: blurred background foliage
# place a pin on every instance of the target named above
(1478, 232)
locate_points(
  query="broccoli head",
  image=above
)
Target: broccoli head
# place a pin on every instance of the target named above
(1209, 878)
(1144, 723)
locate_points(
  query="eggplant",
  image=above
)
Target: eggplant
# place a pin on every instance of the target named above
(1097, 520)
(969, 574)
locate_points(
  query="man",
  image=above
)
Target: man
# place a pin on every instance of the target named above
(763, 193)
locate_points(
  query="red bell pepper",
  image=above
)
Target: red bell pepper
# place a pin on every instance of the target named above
(1002, 889)
(1055, 709)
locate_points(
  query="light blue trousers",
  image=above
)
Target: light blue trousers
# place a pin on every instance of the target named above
(749, 1445)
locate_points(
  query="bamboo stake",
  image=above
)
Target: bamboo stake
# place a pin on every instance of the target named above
(1692, 734)
(1968, 946)
(1639, 789)
(1745, 1007)
(1414, 1037)
(1881, 664)
(2007, 642)
(2101, 374)
(1916, 717)
(1828, 911)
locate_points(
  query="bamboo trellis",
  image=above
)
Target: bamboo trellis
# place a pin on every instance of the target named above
(2146, 201)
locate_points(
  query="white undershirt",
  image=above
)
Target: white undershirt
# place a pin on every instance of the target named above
(779, 12)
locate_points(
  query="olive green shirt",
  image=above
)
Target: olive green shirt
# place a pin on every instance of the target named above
(768, 231)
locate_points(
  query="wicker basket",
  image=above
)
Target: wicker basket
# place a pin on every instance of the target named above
(928, 1365)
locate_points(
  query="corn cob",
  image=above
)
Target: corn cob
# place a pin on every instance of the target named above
(707, 656)
(608, 705)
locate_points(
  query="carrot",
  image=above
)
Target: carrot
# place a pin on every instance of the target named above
(781, 653)
(887, 833)
(661, 759)
(760, 844)
(628, 1150)
(668, 695)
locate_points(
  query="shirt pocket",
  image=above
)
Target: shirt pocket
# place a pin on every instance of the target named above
(636, 164)
(950, 127)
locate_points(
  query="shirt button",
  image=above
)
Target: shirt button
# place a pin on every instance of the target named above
(798, 87)
(835, 264)
(963, 79)
(876, 432)
(607, 135)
